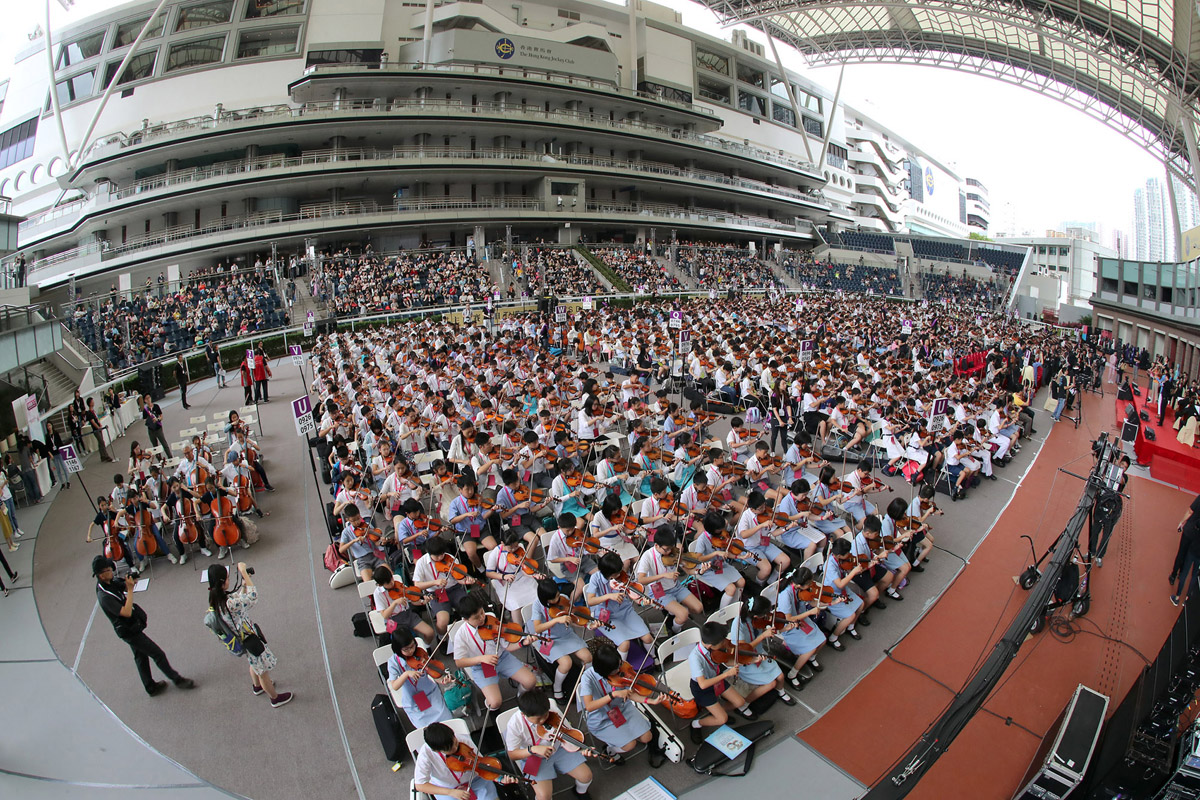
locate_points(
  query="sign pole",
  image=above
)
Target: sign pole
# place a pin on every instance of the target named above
(75, 467)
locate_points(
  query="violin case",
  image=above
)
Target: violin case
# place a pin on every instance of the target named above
(708, 760)
(387, 725)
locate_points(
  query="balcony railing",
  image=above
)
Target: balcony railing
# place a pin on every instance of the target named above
(400, 108)
(542, 76)
(403, 206)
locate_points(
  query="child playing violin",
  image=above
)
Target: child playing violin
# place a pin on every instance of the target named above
(661, 580)
(806, 532)
(568, 498)
(507, 567)
(420, 696)
(561, 642)
(355, 542)
(712, 683)
(608, 525)
(800, 635)
(577, 566)
(433, 776)
(760, 470)
(485, 657)
(657, 510)
(539, 756)
(866, 547)
(796, 464)
(756, 535)
(393, 606)
(856, 485)
(433, 571)
(473, 525)
(612, 605)
(838, 578)
(611, 713)
(765, 672)
(517, 513)
(719, 575)
(921, 509)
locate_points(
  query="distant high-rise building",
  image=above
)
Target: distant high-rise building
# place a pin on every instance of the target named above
(1153, 224)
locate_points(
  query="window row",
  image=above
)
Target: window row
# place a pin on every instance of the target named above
(190, 17)
(253, 43)
(753, 76)
(16, 143)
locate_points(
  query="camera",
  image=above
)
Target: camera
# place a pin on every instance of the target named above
(249, 570)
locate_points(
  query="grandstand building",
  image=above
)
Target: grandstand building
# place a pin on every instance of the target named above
(1151, 305)
(1061, 276)
(236, 123)
(979, 209)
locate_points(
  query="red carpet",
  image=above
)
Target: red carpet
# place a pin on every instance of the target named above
(883, 716)
(1169, 460)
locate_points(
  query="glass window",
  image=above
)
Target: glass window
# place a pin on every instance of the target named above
(783, 113)
(128, 31)
(368, 56)
(713, 90)
(806, 100)
(81, 49)
(778, 89)
(748, 101)
(814, 126)
(201, 15)
(75, 88)
(16, 143)
(139, 67)
(268, 42)
(712, 62)
(752, 76)
(195, 53)
(257, 9)
(1041, 250)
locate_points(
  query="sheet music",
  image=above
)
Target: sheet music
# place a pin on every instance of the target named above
(142, 585)
(649, 789)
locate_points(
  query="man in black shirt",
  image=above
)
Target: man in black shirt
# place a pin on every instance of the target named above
(1188, 529)
(154, 426)
(90, 417)
(181, 378)
(129, 622)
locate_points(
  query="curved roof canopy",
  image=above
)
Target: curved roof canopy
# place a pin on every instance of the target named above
(1132, 64)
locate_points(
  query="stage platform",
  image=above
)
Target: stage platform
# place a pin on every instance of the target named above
(1130, 618)
(1170, 461)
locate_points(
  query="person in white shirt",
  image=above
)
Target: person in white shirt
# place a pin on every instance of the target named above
(432, 773)
(661, 579)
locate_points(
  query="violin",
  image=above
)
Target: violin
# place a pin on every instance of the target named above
(424, 663)
(870, 484)
(580, 616)
(446, 565)
(733, 468)
(518, 557)
(779, 519)
(523, 493)
(465, 758)
(425, 522)
(409, 593)
(585, 481)
(822, 595)
(225, 531)
(929, 505)
(686, 561)
(907, 523)
(705, 494)
(641, 684)
(492, 629)
(373, 535)
(735, 549)
(556, 731)
(633, 590)
(743, 654)
(777, 620)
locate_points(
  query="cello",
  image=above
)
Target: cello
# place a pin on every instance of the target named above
(225, 531)
(147, 545)
(189, 531)
(112, 542)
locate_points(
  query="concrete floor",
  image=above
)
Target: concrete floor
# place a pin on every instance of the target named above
(324, 742)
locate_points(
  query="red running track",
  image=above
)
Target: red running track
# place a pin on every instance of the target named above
(877, 722)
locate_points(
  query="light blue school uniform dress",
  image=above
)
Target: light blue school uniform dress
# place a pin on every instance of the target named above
(799, 537)
(894, 561)
(410, 691)
(852, 603)
(806, 636)
(468, 644)
(599, 723)
(763, 672)
(718, 579)
(622, 615)
(563, 639)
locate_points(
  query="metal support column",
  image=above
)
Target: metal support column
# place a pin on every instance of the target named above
(787, 84)
(837, 94)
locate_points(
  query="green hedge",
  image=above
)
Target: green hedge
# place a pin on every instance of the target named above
(616, 280)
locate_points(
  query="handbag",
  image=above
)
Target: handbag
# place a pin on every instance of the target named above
(254, 642)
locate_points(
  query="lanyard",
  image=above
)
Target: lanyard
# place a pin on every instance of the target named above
(532, 736)
(457, 775)
(482, 647)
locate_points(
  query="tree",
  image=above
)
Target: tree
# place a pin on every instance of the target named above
(979, 237)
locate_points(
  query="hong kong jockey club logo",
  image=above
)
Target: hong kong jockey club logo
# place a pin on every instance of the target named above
(505, 48)
(929, 180)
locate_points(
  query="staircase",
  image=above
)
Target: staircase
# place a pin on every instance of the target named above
(686, 280)
(305, 303)
(44, 377)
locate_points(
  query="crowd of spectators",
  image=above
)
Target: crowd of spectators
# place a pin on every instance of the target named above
(369, 282)
(717, 267)
(563, 272)
(850, 278)
(643, 273)
(961, 290)
(210, 305)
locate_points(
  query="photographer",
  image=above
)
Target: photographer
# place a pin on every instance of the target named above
(233, 608)
(129, 622)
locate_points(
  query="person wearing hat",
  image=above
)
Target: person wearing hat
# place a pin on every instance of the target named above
(129, 623)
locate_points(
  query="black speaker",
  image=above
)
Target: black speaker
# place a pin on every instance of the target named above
(1062, 760)
(325, 326)
(150, 381)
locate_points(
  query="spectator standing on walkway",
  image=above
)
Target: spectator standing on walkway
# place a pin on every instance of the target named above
(154, 425)
(181, 378)
(262, 374)
(29, 461)
(129, 622)
(247, 378)
(97, 428)
(214, 359)
(1189, 531)
(12, 530)
(55, 442)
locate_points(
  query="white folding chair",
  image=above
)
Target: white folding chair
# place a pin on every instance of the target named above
(556, 569)
(815, 563)
(378, 623)
(682, 642)
(244, 410)
(380, 656)
(771, 593)
(727, 614)
(679, 679)
(219, 417)
(200, 420)
(366, 589)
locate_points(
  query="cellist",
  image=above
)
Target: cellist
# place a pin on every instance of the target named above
(174, 500)
(237, 479)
